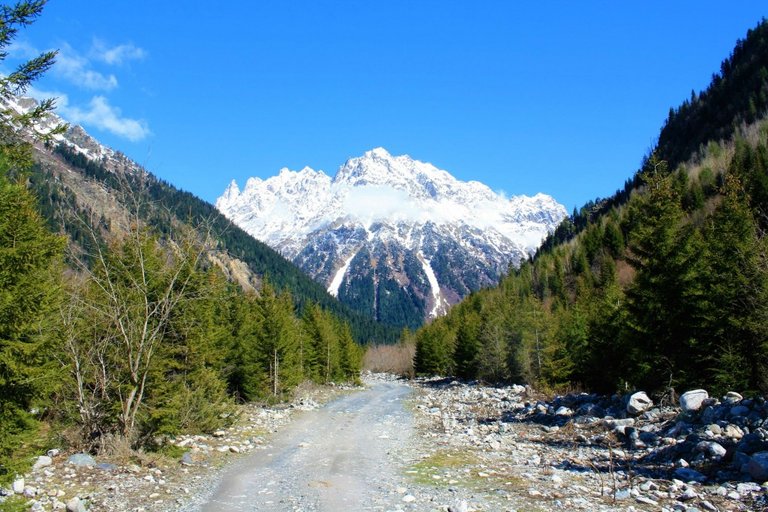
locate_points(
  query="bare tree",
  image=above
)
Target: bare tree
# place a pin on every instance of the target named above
(132, 288)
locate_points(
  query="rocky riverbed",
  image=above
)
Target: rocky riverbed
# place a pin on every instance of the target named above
(466, 447)
(586, 452)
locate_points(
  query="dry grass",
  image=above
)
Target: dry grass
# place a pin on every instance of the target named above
(395, 359)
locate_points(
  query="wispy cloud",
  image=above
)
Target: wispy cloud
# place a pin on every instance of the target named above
(100, 114)
(77, 70)
(116, 55)
(20, 49)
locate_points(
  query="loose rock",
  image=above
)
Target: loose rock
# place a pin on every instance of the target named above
(691, 401)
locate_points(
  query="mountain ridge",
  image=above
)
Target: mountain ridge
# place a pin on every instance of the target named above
(438, 238)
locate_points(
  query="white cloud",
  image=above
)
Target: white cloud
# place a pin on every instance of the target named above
(116, 55)
(99, 114)
(61, 98)
(104, 116)
(22, 50)
(77, 70)
(378, 202)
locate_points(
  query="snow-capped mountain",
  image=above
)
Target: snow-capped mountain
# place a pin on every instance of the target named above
(391, 236)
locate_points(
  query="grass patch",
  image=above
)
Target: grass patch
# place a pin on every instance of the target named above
(14, 504)
(172, 451)
(443, 466)
(463, 468)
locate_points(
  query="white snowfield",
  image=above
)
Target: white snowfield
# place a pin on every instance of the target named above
(380, 189)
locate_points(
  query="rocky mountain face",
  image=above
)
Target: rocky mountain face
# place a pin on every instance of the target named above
(393, 237)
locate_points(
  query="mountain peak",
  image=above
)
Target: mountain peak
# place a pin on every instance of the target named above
(378, 152)
(390, 228)
(232, 190)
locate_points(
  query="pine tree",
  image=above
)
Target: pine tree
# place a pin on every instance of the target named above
(324, 343)
(666, 302)
(29, 255)
(277, 337)
(30, 287)
(737, 280)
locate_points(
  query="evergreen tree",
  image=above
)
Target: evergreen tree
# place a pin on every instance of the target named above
(29, 255)
(30, 287)
(276, 341)
(466, 354)
(666, 303)
(188, 390)
(324, 343)
(738, 288)
(434, 349)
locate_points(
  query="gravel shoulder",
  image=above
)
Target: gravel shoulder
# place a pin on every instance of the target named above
(437, 445)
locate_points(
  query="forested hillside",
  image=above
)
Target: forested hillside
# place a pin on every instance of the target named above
(662, 286)
(117, 320)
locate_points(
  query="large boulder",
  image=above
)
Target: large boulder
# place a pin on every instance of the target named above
(638, 403)
(691, 401)
(758, 467)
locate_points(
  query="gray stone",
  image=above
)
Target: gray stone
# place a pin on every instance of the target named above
(732, 397)
(691, 401)
(81, 459)
(733, 431)
(639, 403)
(711, 449)
(739, 410)
(689, 475)
(757, 467)
(612, 423)
(76, 505)
(459, 507)
(18, 486)
(646, 501)
(740, 461)
(748, 487)
(753, 442)
(688, 494)
(622, 494)
(42, 461)
(715, 429)
(187, 459)
(563, 411)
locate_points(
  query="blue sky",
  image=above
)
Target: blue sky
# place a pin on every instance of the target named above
(557, 97)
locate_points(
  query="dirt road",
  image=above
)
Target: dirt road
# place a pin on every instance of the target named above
(344, 456)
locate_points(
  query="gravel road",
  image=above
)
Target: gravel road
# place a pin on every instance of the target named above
(344, 456)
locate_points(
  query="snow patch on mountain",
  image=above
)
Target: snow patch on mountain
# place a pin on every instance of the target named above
(333, 289)
(438, 303)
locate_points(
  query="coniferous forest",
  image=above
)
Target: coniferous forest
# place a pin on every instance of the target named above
(661, 287)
